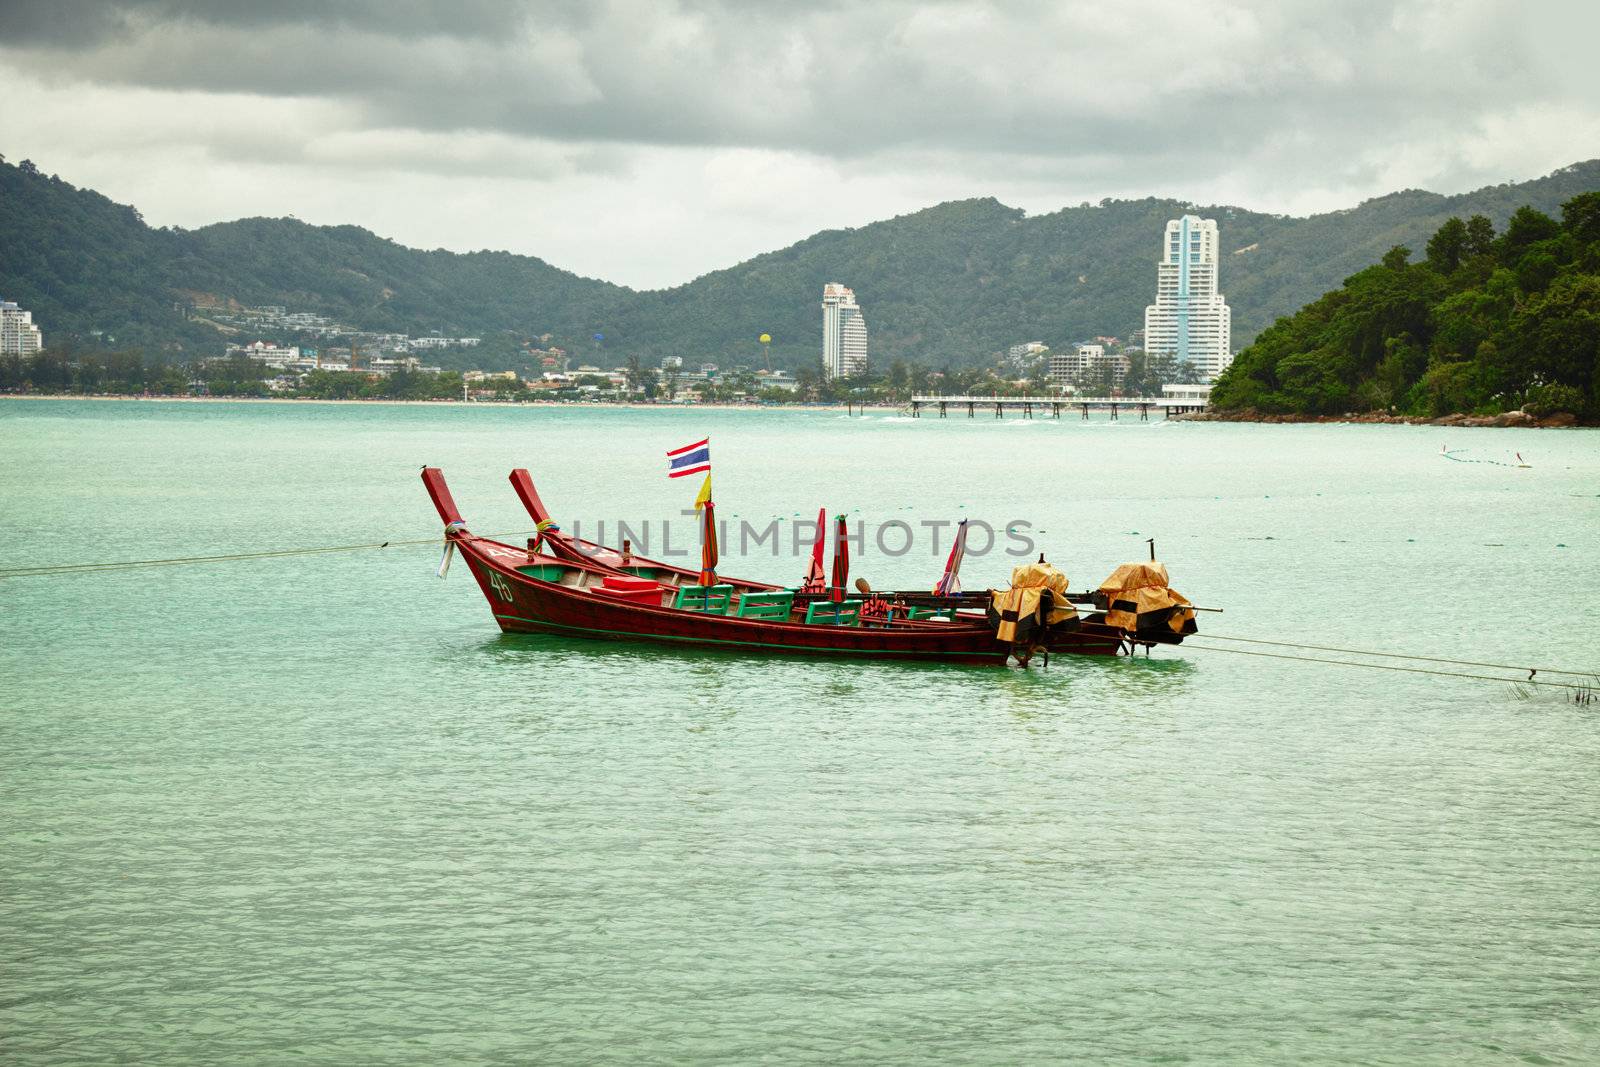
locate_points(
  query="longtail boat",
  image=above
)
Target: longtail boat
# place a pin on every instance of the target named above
(559, 584)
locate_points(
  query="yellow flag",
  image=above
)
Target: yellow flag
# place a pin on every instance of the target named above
(704, 497)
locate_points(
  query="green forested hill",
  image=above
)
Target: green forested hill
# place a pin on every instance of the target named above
(354, 276)
(943, 286)
(79, 261)
(1483, 323)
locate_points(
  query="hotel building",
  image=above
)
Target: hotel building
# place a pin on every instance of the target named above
(1085, 362)
(18, 335)
(1189, 321)
(276, 356)
(844, 333)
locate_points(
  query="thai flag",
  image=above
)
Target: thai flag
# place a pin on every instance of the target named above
(690, 459)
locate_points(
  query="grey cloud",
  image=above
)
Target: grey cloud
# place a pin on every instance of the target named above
(1271, 103)
(846, 82)
(80, 23)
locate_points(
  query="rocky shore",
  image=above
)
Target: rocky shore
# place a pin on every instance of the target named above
(1509, 418)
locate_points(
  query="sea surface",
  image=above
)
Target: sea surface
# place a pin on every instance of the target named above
(315, 809)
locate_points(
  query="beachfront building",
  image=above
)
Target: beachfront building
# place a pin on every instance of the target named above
(1087, 363)
(273, 355)
(1190, 321)
(844, 333)
(1179, 391)
(776, 379)
(1063, 367)
(18, 335)
(386, 366)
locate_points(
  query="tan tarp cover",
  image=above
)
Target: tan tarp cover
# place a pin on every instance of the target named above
(1136, 589)
(1021, 601)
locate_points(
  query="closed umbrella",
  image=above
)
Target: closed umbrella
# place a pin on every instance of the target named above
(708, 544)
(950, 581)
(816, 581)
(841, 562)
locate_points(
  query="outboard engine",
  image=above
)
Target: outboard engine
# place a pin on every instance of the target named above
(1035, 605)
(1138, 599)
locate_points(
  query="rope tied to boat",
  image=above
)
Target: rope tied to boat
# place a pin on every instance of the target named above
(542, 529)
(449, 545)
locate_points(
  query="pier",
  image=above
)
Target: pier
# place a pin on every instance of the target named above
(1029, 407)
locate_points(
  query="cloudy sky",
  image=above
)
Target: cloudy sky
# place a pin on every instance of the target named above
(647, 143)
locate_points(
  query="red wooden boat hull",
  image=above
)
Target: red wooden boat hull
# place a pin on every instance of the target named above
(523, 603)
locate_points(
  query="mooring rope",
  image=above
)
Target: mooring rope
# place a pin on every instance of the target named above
(1578, 687)
(1396, 655)
(1194, 641)
(44, 570)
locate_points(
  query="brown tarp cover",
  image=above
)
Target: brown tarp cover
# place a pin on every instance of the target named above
(1021, 601)
(1136, 589)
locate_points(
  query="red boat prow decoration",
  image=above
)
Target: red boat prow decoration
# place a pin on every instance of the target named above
(522, 482)
(443, 502)
(576, 588)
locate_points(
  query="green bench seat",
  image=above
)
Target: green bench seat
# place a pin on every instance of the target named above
(930, 613)
(545, 572)
(827, 613)
(766, 605)
(707, 599)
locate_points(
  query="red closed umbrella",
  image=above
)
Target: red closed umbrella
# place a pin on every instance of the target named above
(950, 581)
(841, 562)
(816, 581)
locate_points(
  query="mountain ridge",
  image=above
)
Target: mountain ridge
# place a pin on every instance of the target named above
(946, 284)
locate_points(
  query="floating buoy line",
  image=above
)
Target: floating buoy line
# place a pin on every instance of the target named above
(1587, 691)
(1458, 455)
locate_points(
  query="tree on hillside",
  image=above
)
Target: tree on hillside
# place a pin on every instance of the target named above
(641, 379)
(899, 377)
(1446, 247)
(1147, 374)
(1039, 375)
(1580, 217)
(1483, 324)
(1480, 236)
(1526, 228)
(1557, 333)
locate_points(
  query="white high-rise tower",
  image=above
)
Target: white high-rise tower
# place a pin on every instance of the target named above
(1190, 321)
(844, 333)
(18, 335)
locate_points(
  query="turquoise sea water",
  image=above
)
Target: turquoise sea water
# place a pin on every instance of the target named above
(316, 809)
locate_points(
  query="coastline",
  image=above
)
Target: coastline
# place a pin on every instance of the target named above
(443, 403)
(1509, 419)
(1506, 420)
